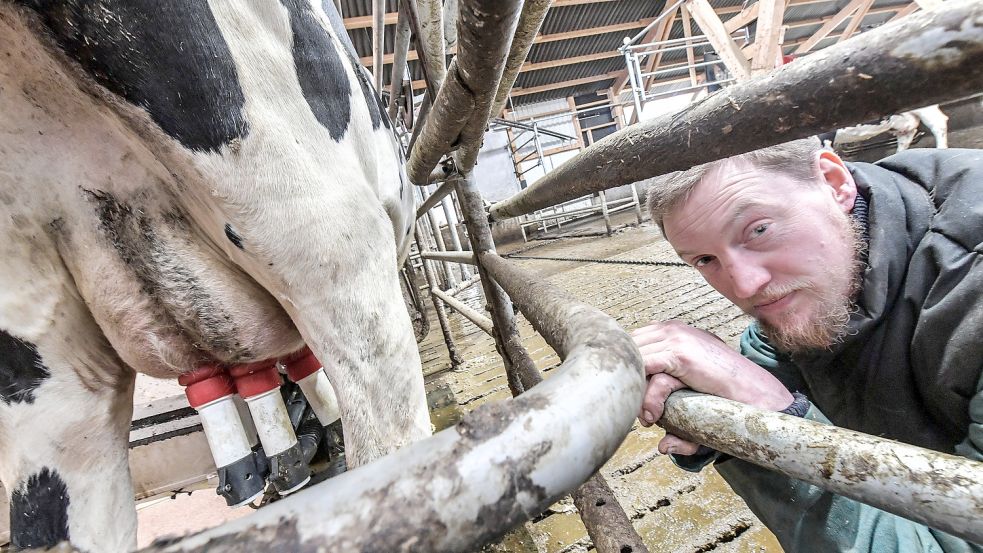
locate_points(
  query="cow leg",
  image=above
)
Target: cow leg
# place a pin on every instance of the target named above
(65, 407)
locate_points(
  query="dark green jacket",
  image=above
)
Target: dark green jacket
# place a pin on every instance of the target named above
(911, 367)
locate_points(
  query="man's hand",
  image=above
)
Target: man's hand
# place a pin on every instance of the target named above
(677, 356)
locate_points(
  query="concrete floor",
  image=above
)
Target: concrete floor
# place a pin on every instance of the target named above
(671, 509)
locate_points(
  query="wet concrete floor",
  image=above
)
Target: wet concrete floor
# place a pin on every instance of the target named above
(671, 509)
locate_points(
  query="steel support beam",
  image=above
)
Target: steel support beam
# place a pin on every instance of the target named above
(937, 489)
(926, 58)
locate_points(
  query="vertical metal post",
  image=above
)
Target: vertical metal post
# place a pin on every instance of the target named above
(450, 281)
(638, 203)
(400, 50)
(604, 211)
(378, 41)
(438, 306)
(633, 80)
(520, 370)
(449, 214)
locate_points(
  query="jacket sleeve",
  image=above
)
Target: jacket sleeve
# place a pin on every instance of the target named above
(807, 518)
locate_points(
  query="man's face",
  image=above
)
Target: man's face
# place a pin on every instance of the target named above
(785, 252)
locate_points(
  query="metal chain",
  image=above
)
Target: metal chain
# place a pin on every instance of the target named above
(611, 261)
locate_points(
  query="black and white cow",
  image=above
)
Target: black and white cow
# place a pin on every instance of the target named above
(185, 182)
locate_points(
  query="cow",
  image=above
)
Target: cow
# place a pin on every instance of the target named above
(902, 125)
(186, 183)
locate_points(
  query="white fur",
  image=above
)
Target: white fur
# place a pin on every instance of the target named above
(323, 225)
(903, 125)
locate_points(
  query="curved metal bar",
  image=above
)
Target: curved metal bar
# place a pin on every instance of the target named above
(925, 58)
(465, 486)
(940, 490)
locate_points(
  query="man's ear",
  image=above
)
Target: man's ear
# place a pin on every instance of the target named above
(833, 173)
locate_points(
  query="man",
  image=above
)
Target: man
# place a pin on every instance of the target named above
(866, 285)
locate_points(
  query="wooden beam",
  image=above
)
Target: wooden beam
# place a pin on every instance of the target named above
(856, 20)
(593, 31)
(688, 33)
(713, 28)
(569, 61)
(742, 19)
(833, 23)
(564, 84)
(365, 21)
(904, 11)
(767, 36)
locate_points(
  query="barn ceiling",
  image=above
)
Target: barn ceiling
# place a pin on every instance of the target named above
(576, 51)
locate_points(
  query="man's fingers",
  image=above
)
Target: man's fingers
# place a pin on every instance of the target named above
(653, 404)
(655, 359)
(676, 445)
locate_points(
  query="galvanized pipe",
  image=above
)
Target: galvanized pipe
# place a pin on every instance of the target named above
(678, 91)
(438, 236)
(604, 211)
(461, 107)
(530, 20)
(937, 489)
(484, 36)
(636, 202)
(432, 29)
(924, 58)
(682, 67)
(467, 485)
(464, 285)
(433, 199)
(378, 41)
(520, 369)
(636, 90)
(452, 257)
(665, 13)
(445, 327)
(481, 321)
(451, 218)
(400, 50)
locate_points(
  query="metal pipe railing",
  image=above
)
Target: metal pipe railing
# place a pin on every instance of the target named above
(450, 256)
(479, 320)
(924, 58)
(461, 107)
(433, 199)
(937, 489)
(530, 20)
(504, 461)
(400, 50)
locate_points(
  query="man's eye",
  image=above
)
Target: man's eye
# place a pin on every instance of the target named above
(702, 261)
(759, 230)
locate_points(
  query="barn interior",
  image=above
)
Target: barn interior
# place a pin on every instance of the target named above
(594, 68)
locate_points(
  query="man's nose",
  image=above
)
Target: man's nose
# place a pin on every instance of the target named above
(748, 276)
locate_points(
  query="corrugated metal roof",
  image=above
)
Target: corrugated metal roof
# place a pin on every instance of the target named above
(802, 19)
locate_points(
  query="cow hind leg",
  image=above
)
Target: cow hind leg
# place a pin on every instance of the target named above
(64, 423)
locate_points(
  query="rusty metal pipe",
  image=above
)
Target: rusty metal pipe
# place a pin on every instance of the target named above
(924, 58)
(937, 489)
(467, 485)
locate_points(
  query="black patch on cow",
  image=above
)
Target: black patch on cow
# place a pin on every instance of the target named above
(39, 511)
(377, 112)
(321, 74)
(233, 236)
(21, 370)
(175, 288)
(167, 57)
